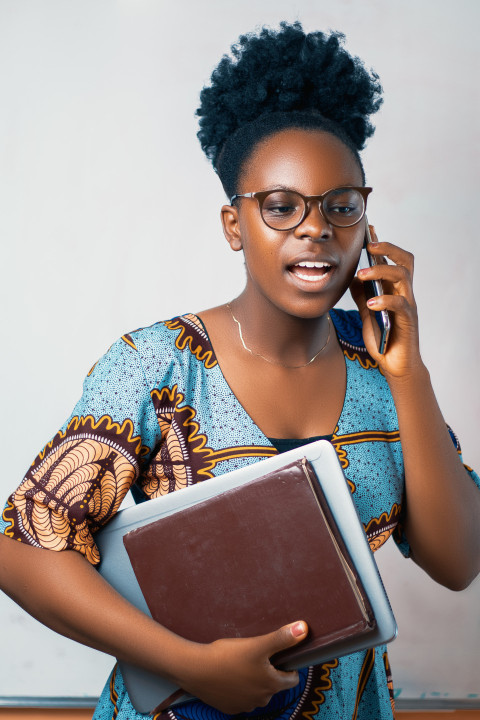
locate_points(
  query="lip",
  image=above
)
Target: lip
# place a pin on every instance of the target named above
(307, 278)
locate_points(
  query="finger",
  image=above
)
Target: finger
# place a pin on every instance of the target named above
(280, 681)
(391, 273)
(397, 255)
(283, 638)
(371, 331)
(285, 680)
(396, 277)
(396, 304)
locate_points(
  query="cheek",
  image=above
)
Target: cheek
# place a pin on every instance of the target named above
(352, 249)
(260, 244)
(355, 253)
(354, 246)
(351, 265)
(261, 258)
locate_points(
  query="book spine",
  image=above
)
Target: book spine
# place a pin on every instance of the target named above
(341, 551)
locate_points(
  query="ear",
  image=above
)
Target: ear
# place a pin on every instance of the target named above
(231, 226)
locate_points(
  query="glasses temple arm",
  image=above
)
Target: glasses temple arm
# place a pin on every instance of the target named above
(248, 195)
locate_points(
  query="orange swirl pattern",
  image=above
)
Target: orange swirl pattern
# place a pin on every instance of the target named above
(388, 673)
(129, 340)
(365, 672)
(192, 335)
(75, 485)
(183, 450)
(184, 456)
(359, 354)
(325, 684)
(379, 529)
(340, 441)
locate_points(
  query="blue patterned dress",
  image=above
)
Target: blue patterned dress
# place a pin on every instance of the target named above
(157, 415)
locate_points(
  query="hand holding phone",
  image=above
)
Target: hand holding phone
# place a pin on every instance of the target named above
(373, 288)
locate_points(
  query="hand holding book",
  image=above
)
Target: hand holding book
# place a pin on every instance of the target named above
(235, 675)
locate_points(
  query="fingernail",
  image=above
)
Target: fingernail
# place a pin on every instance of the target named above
(372, 301)
(298, 629)
(362, 272)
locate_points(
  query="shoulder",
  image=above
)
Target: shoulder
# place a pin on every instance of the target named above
(180, 334)
(157, 353)
(135, 349)
(348, 325)
(170, 350)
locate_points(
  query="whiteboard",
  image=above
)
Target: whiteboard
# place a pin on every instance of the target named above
(97, 137)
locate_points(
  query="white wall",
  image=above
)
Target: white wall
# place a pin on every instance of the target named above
(109, 221)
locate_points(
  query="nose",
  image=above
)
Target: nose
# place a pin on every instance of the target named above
(314, 225)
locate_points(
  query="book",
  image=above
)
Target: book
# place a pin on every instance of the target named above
(250, 560)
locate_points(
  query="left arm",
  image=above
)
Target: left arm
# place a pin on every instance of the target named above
(442, 521)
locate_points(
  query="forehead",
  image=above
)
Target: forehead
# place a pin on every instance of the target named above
(310, 161)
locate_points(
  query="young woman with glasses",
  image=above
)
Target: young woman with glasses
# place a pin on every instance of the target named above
(274, 368)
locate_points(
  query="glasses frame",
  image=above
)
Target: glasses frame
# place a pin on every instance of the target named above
(261, 195)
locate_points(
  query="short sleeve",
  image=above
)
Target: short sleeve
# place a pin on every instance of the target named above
(399, 533)
(77, 482)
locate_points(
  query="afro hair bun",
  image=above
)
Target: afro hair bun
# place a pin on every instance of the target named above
(282, 71)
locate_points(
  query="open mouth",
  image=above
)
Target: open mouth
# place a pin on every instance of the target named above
(311, 271)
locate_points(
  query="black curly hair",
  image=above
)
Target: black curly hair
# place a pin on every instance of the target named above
(279, 79)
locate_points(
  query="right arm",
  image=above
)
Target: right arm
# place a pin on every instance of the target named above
(66, 593)
(72, 489)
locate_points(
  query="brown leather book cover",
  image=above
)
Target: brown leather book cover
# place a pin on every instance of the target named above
(250, 560)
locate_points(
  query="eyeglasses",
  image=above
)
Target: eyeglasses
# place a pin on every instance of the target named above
(286, 209)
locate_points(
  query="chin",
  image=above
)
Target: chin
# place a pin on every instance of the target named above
(309, 311)
(313, 307)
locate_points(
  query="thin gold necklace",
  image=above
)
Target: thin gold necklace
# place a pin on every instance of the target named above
(277, 362)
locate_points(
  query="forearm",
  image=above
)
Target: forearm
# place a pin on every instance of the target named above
(63, 591)
(443, 503)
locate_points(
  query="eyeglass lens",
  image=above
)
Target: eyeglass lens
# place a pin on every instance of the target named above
(284, 209)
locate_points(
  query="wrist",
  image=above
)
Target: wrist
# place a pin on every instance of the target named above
(414, 380)
(188, 663)
(163, 652)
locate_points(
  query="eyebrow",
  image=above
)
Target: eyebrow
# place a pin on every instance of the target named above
(281, 187)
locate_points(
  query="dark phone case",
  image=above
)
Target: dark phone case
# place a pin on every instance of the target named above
(374, 288)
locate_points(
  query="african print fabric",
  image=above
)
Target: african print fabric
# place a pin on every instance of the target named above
(157, 415)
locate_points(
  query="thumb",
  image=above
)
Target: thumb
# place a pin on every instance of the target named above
(285, 637)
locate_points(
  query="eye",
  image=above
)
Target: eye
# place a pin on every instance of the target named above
(282, 204)
(344, 202)
(342, 209)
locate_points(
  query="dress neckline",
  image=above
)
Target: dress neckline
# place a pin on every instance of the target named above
(286, 444)
(272, 441)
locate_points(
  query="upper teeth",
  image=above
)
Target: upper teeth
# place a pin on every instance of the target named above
(309, 264)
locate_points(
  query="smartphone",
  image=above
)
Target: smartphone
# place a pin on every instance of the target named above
(373, 288)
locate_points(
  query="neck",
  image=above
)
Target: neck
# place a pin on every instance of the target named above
(282, 338)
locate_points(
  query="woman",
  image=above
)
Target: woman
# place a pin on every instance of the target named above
(277, 367)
